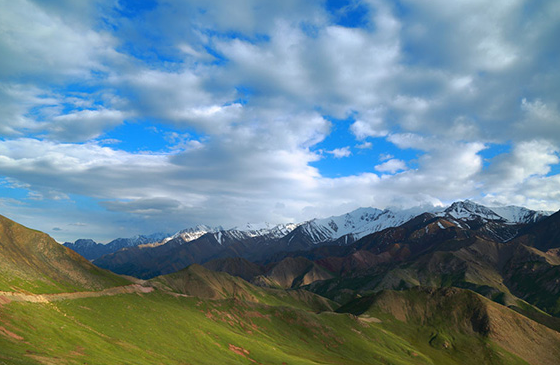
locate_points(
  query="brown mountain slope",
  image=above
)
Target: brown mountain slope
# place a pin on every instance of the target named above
(32, 261)
(292, 273)
(437, 253)
(236, 266)
(535, 277)
(544, 235)
(443, 315)
(197, 281)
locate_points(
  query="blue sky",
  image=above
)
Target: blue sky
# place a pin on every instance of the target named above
(122, 117)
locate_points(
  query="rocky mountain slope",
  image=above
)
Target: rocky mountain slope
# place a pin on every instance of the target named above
(32, 261)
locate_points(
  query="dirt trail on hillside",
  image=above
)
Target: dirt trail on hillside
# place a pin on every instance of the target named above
(6, 297)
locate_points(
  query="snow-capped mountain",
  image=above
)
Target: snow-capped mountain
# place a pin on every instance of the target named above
(267, 243)
(220, 234)
(191, 234)
(353, 225)
(265, 230)
(137, 240)
(364, 221)
(498, 223)
(514, 214)
(469, 210)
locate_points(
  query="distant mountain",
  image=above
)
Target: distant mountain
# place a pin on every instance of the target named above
(236, 266)
(181, 251)
(267, 243)
(32, 261)
(520, 215)
(349, 227)
(544, 235)
(91, 250)
(498, 223)
(468, 210)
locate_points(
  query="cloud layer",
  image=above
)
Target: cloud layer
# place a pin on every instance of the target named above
(241, 106)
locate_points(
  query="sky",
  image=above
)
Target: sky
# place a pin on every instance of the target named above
(120, 117)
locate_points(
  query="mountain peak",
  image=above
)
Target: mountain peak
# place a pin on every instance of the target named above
(517, 214)
(468, 209)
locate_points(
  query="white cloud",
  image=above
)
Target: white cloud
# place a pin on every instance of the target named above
(340, 152)
(364, 145)
(40, 43)
(391, 166)
(385, 157)
(370, 124)
(84, 124)
(179, 97)
(540, 120)
(528, 159)
(78, 224)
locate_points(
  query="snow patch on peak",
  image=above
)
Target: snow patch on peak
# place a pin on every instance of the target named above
(262, 230)
(358, 223)
(469, 210)
(191, 234)
(514, 214)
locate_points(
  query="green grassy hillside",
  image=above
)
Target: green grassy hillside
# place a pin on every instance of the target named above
(458, 323)
(162, 329)
(197, 316)
(32, 261)
(159, 328)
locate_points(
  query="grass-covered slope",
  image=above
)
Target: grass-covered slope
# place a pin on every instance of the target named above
(159, 328)
(32, 261)
(197, 316)
(458, 323)
(197, 281)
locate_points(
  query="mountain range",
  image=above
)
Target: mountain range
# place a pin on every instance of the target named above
(91, 250)
(267, 243)
(350, 227)
(463, 284)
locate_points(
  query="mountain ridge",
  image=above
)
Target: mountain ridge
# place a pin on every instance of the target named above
(258, 245)
(32, 261)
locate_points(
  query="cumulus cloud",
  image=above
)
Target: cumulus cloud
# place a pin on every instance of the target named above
(41, 43)
(245, 92)
(84, 124)
(528, 159)
(540, 120)
(364, 145)
(391, 166)
(370, 124)
(340, 152)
